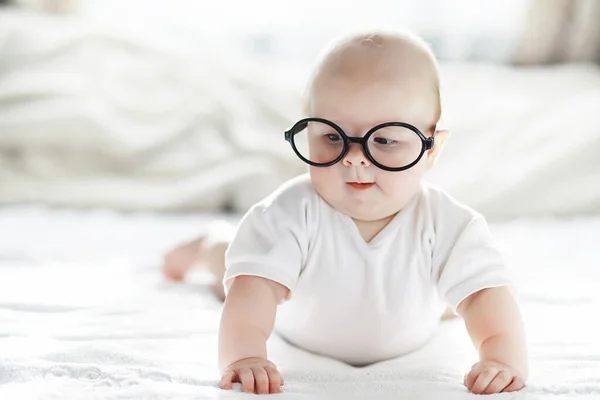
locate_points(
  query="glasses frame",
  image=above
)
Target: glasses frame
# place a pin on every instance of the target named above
(427, 143)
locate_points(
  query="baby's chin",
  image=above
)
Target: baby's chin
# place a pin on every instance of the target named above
(363, 212)
(356, 207)
(367, 216)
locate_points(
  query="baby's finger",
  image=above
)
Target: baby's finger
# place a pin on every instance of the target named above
(517, 384)
(275, 380)
(502, 380)
(261, 380)
(227, 380)
(483, 380)
(470, 378)
(247, 380)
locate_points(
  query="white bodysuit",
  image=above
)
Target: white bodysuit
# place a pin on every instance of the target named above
(364, 302)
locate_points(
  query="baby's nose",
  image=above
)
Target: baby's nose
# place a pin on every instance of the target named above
(355, 157)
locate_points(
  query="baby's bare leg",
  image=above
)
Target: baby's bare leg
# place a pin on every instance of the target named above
(178, 262)
(207, 251)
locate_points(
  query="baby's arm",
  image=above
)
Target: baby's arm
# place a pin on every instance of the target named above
(246, 324)
(493, 320)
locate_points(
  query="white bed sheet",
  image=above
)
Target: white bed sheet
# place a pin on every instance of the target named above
(84, 313)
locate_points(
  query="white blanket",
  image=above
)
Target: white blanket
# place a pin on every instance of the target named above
(84, 313)
(106, 115)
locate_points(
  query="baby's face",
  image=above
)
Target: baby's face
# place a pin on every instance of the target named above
(357, 104)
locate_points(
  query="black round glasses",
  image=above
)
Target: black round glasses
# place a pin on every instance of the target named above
(391, 146)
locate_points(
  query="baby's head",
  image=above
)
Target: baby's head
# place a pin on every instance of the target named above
(360, 82)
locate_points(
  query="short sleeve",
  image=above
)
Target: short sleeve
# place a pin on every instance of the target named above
(467, 261)
(268, 243)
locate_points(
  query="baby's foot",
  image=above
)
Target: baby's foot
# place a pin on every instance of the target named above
(180, 260)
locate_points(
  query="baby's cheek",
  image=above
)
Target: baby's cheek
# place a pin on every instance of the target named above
(400, 185)
(316, 177)
(322, 180)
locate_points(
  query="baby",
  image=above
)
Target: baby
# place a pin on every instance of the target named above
(360, 257)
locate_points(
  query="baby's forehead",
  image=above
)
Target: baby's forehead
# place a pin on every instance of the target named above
(361, 104)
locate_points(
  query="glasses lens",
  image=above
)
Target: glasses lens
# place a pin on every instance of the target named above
(395, 146)
(318, 142)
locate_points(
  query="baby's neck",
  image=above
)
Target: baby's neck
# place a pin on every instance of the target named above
(369, 229)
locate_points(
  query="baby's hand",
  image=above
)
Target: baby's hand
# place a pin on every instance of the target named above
(487, 377)
(256, 375)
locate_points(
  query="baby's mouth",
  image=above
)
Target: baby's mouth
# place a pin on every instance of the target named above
(360, 186)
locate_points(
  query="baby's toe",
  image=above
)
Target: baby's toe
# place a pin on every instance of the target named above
(173, 271)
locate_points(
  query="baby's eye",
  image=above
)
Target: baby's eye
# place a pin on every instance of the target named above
(333, 137)
(381, 140)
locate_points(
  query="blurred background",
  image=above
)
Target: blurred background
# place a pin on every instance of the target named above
(180, 106)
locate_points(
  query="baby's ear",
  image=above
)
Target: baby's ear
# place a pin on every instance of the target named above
(440, 136)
